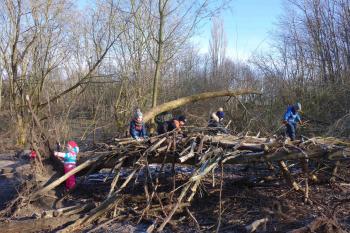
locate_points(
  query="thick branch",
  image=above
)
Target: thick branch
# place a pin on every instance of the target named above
(193, 98)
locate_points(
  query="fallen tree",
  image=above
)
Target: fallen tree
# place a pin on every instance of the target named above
(193, 98)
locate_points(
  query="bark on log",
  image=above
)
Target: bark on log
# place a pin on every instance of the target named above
(281, 155)
(288, 176)
(191, 99)
(67, 211)
(37, 225)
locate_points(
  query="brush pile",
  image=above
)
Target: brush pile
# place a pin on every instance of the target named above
(162, 181)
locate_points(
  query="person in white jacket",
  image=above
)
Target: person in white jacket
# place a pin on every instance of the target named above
(216, 120)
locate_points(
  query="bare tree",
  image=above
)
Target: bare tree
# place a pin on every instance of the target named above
(217, 51)
(29, 42)
(37, 40)
(168, 25)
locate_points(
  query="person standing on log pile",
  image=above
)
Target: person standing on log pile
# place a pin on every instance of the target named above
(216, 120)
(69, 159)
(137, 127)
(290, 120)
(175, 123)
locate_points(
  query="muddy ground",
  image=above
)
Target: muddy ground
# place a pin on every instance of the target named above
(248, 193)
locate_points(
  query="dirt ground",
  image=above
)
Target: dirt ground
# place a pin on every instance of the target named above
(249, 193)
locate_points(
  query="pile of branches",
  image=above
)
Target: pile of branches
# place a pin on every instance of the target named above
(161, 200)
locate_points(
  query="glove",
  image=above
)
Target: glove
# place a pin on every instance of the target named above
(137, 139)
(284, 122)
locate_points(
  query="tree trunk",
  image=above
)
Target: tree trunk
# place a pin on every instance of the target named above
(191, 99)
(159, 54)
(0, 91)
(21, 130)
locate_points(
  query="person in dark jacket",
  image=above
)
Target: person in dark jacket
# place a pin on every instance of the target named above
(163, 117)
(175, 123)
(291, 118)
(137, 127)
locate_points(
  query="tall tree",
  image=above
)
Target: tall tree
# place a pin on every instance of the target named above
(169, 24)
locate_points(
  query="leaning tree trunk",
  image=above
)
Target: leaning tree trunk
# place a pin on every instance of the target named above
(193, 98)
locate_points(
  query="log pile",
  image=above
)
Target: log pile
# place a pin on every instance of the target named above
(161, 199)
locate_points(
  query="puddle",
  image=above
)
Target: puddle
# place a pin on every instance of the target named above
(8, 181)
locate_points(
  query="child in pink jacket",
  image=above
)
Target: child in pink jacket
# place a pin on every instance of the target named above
(69, 160)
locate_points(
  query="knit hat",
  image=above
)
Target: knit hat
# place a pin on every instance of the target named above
(221, 109)
(220, 114)
(72, 144)
(182, 118)
(138, 113)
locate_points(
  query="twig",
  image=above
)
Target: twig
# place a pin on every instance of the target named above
(193, 218)
(220, 199)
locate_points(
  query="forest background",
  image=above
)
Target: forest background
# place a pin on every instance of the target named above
(86, 70)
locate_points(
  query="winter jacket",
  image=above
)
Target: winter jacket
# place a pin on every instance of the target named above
(70, 157)
(137, 132)
(163, 117)
(291, 115)
(168, 126)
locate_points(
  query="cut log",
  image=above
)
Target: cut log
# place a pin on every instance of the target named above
(37, 225)
(190, 154)
(67, 211)
(288, 176)
(256, 224)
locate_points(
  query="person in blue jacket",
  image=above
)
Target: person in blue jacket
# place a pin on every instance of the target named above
(137, 127)
(291, 118)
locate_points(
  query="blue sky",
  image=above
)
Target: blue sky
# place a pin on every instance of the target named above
(248, 27)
